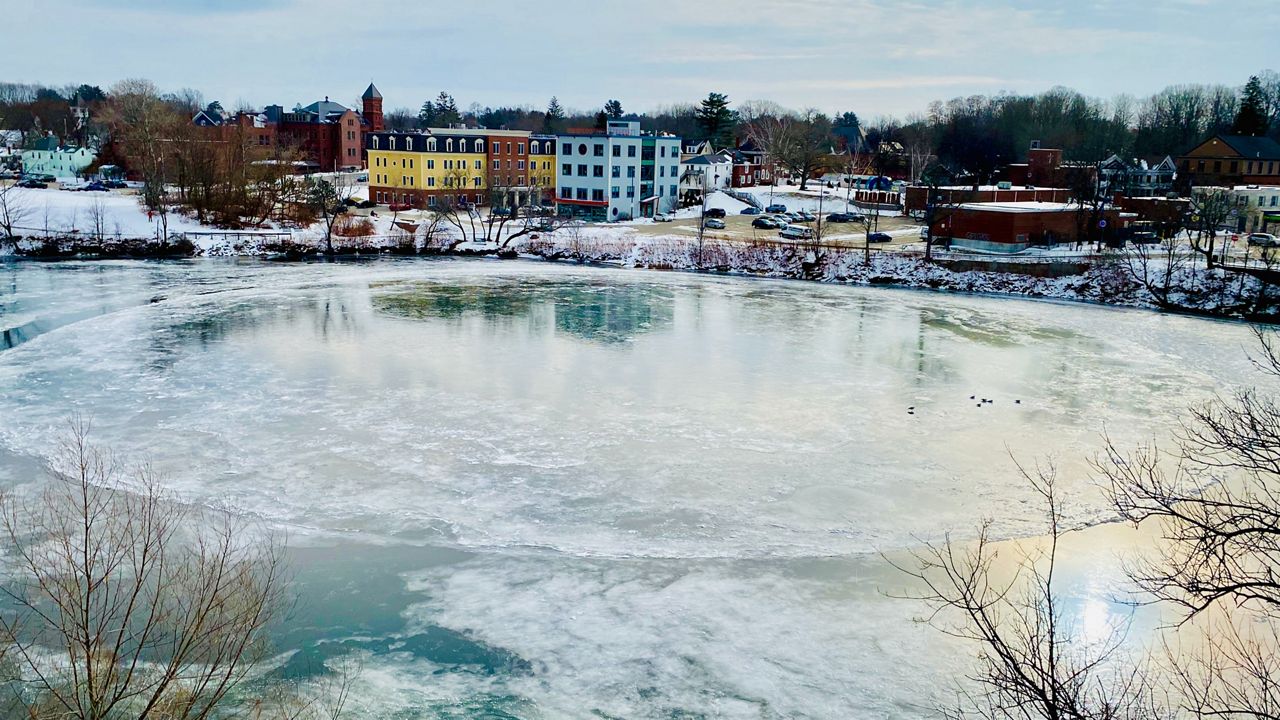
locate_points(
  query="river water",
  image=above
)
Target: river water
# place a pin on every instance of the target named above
(527, 490)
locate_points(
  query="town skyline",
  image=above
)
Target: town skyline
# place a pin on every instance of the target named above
(875, 58)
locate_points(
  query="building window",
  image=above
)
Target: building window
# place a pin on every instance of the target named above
(519, 164)
(374, 140)
(597, 195)
(431, 164)
(582, 171)
(631, 191)
(566, 193)
(597, 171)
(431, 200)
(408, 144)
(615, 192)
(431, 182)
(616, 171)
(431, 144)
(520, 180)
(566, 170)
(582, 193)
(673, 191)
(631, 171)
(566, 149)
(617, 151)
(520, 148)
(631, 151)
(599, 150)
(497, 164)
(448, 145)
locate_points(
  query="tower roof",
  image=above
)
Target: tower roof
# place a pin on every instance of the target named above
(371, 93)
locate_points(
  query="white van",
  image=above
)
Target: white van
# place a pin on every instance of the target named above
(795, 232)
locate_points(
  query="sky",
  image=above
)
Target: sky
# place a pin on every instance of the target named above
(874, 57)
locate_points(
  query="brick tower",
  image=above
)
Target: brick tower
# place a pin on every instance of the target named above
(372, 101)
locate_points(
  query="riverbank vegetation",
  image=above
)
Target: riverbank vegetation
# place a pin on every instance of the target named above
(123, 601)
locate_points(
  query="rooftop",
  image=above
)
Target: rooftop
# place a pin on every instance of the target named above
(1020, 207)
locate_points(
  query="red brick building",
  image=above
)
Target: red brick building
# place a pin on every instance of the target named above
(1016, 226)
(330, 135)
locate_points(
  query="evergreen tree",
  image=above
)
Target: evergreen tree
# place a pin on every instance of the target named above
(214, 108)
(602, 120)
(613, 109)
(554, 116)
(427, 115)
(90, 93)
(1251, 119)
(849, 129)
(446, 110)
(716, 119)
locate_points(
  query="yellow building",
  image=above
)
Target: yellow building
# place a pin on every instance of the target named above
(428, 168)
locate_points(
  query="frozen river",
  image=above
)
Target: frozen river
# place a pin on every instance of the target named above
(524, 490)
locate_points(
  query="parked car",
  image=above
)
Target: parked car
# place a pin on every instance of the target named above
(806, 216)
(839, 218)
(397, 207)
(501, 212)
(115, 184)
(765, 222)
(95, 186)
(793, 217)
(362, 178)
(662, 217)
(795, 233)
(750, 211)
(714, 213)
(713, 224)
(1145, 237)
(8, 175)
(777, 208)
(72, 186)
(878, 237)
(1266, 240)
(32, 183)
(366, 204)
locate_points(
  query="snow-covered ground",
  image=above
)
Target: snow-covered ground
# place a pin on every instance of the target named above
(50, 212)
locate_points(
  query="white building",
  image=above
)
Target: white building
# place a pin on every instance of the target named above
(49, 158)
(1255, 208)
(705, 173)
(618, 174)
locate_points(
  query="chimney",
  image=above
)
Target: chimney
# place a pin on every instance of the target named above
(326, 98)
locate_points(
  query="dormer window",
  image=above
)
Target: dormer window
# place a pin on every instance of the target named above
(408, 144)
(448, 145)
(375, 142)
(431, 144)
(479, 146)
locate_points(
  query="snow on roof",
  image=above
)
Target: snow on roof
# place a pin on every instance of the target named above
(1020, 207)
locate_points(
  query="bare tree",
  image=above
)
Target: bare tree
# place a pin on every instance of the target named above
(97, 213)
(1032, 661)
(1210, 208)
(126, 601)
(144, 126)
(1161, 270)
(327, 199)
(14, 210)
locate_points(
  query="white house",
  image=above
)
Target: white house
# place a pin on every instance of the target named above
(50, 158)
(618, 174)
(704, 174)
